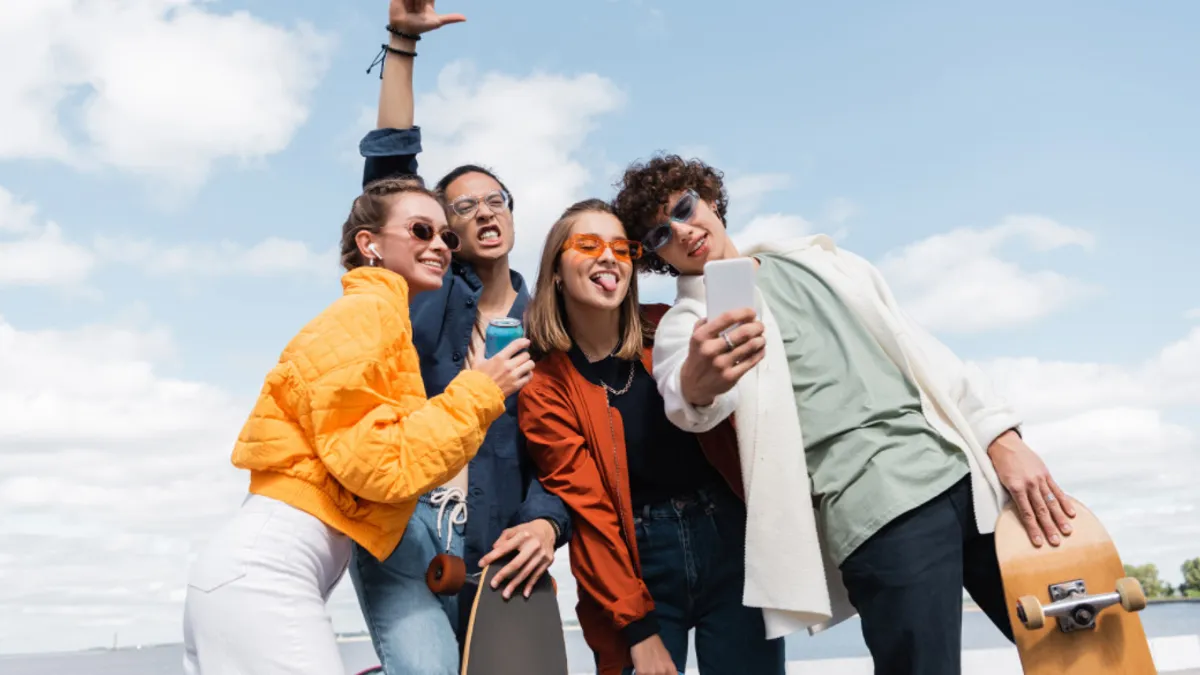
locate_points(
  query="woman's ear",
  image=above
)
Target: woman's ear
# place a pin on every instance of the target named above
(367, 247)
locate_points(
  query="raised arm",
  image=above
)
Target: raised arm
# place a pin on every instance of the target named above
(694, 367)
(391, 149)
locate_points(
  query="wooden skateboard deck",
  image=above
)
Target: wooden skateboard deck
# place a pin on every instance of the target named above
(518, 636)
(1079, 585)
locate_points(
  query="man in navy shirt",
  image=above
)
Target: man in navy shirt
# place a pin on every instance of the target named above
(496, 505)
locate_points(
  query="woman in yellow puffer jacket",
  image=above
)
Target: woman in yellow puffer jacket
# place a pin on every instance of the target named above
(339, 445)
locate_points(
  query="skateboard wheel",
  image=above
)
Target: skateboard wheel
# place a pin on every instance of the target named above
(446, 574)
(1133, 599)
(1029, 610)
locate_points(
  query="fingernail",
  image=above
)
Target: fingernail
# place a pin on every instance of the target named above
(1054, 539)
(1066, 528)
(1037, 541)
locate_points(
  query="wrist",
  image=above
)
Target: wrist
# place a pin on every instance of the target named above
(549, 530)
(405, 44)
(1003, 442)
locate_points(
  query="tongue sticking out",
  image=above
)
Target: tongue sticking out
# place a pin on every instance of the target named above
(607, 283)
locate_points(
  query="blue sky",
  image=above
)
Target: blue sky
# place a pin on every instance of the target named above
(1024, 174)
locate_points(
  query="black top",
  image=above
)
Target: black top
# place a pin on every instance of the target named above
(664, 461)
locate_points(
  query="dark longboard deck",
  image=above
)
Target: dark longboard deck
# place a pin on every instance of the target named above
(518, 636)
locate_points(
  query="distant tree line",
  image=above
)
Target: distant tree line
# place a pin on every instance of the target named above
(1154, 587)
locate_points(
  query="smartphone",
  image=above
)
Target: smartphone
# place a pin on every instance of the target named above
(729, 285)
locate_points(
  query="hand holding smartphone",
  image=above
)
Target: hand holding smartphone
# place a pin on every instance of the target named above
(730, 341)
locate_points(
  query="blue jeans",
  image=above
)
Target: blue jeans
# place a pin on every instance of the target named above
(692, 551)
(413, 629)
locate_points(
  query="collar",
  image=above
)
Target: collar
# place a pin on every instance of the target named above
(377, 281)
(466, 271)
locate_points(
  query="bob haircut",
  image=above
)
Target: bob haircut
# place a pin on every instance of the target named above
(546, 318)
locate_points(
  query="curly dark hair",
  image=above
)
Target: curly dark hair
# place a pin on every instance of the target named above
(643, 192)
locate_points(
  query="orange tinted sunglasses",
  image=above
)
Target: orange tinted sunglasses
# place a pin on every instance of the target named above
(592, 245)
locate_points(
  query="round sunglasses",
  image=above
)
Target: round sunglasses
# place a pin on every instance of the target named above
(592, 245)
(660, 235)
(425, 232)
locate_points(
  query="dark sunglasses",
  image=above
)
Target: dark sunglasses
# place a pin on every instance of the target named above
(425, 232)
(660, 235)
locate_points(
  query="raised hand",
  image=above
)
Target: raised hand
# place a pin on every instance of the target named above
(418, 16)
(720, 354)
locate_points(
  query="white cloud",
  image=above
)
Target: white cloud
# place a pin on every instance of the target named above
(957, 282)
(530, 130)
(34, 253)
(146, 86)
(1108, 433)
(1192, 314)
(271, 257)
(774, 227)
(110, 473)
(746, 192)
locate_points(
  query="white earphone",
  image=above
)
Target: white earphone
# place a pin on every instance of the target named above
(372, 249)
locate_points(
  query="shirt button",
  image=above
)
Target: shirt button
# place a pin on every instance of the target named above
(457, 356)
(470, 302)
(476, 491)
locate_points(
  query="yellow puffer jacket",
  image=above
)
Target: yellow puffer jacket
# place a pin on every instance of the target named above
(342, 428)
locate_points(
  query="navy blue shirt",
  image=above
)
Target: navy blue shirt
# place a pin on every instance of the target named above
(503, 489)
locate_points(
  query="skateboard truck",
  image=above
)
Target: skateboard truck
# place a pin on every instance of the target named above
(1074, 608)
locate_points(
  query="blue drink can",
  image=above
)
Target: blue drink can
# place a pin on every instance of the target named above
(500, 332)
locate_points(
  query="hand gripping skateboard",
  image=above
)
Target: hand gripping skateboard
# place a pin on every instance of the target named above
(1073, 610)
(518, 636)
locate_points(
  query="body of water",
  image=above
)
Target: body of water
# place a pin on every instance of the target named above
(839, 650)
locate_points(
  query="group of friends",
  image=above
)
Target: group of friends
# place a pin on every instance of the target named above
(746, 476)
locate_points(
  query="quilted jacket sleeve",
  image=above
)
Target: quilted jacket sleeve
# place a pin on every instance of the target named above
(392, 448)
(384, 453)
(601, 561)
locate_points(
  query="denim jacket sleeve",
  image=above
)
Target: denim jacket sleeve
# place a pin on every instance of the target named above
(539, 503)
(390, 153)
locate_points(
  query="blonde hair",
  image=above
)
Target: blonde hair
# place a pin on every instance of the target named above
(370, 211)
(544, 319)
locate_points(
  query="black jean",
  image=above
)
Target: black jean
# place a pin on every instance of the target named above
(693, 552)
(906, 582)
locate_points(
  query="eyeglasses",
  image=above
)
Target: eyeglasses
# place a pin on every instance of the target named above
(592, 245)
(660, 235)
(425, 232)
(467, 206)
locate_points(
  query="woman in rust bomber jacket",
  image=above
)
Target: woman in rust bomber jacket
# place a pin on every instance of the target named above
(659, 523)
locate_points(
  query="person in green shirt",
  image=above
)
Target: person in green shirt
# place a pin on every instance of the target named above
(897, 486)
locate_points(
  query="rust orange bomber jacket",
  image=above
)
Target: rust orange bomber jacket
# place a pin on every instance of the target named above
(582, 460)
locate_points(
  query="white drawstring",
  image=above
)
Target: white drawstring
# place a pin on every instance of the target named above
(458, 513)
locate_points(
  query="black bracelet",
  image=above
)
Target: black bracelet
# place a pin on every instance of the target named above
(383, 50)
(399, 52)
(399, 33)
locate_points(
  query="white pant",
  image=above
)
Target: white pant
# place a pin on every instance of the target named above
(256, 595)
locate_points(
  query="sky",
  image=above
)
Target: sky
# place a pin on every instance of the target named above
(174, 175)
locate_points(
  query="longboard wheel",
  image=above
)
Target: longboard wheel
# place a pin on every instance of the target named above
(446, 574)
(1029, 610)
(1133, 599)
